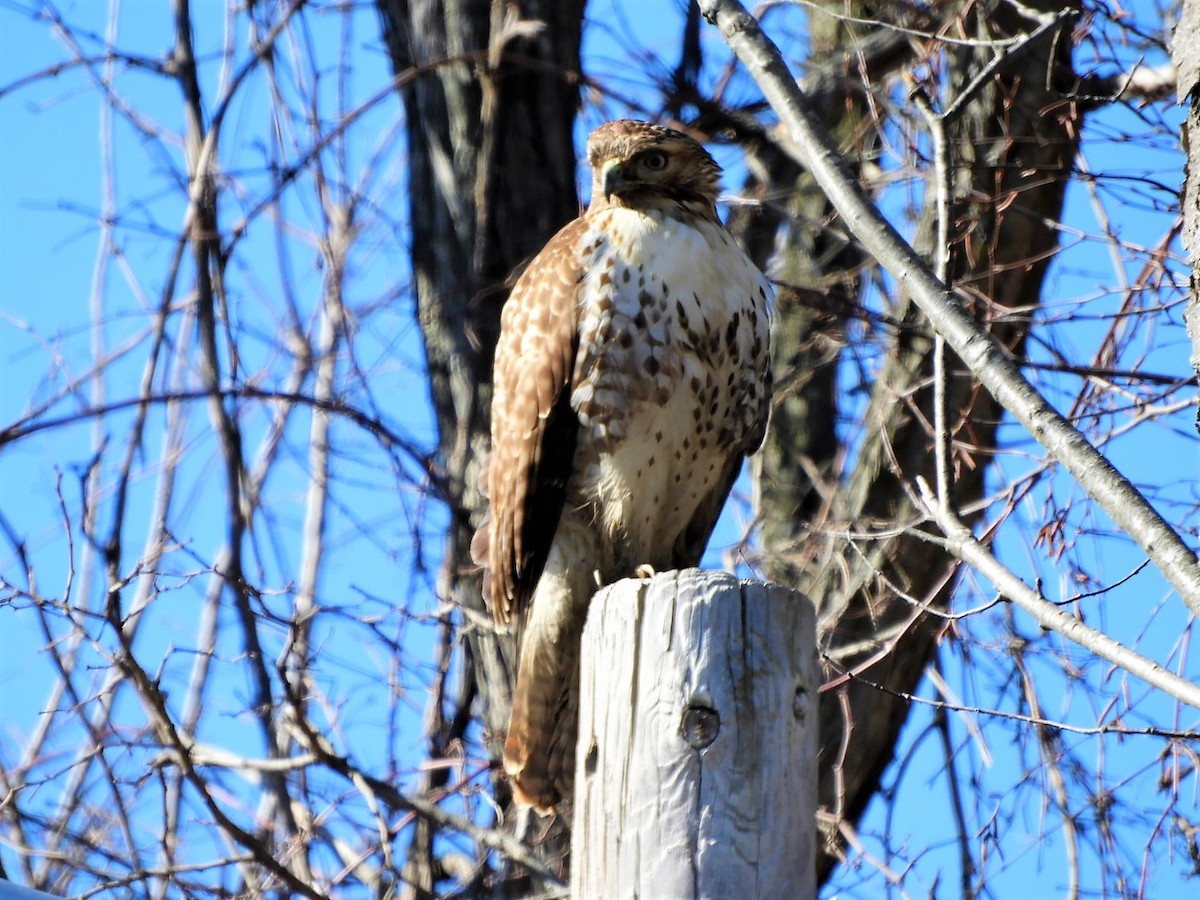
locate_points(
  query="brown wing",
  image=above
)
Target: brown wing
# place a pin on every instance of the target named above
(534, 428)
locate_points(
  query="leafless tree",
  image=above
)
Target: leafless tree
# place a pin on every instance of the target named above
(249, 652)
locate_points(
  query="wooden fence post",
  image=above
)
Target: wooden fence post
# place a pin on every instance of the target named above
(696, 770)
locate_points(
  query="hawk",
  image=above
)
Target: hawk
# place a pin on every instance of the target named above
(631, 377)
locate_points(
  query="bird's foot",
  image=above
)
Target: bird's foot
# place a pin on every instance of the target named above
(645, 570)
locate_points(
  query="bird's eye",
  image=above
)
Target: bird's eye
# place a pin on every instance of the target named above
(655, 161)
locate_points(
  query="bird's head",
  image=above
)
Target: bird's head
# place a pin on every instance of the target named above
(636, 164)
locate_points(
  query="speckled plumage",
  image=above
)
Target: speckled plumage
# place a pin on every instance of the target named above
(631, 378)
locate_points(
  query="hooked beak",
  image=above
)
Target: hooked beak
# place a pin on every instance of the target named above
(612, 178)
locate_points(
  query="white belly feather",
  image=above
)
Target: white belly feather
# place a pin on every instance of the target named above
(670, 381)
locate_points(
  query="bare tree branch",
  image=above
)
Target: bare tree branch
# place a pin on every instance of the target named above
(981, 353)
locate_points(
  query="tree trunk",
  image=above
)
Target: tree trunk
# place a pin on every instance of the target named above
(696, 769)
(1013, 149)
(1185, 52)
(490, 116)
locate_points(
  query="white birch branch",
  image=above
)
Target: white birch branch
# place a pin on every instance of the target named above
(1185, 50)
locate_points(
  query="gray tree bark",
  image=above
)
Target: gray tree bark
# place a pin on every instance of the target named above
(490, 115)
(1185, 51)
(1013, 149)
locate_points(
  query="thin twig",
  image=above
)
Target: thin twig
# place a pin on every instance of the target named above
(943, 174)
(964, 545)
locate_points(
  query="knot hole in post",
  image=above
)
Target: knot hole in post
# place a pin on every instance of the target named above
(700, 725)
(800, 703)
(589, 761)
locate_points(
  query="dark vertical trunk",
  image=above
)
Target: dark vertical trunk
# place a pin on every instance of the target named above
(490, 115)
(1013, 148)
